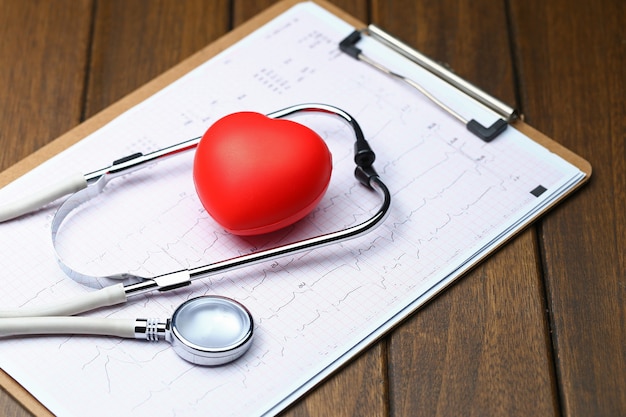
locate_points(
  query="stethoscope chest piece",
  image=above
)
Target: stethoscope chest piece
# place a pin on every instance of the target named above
(210, 330)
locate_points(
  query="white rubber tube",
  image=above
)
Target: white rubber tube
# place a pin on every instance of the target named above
(108, 296)
(22, 326)
(32, 202)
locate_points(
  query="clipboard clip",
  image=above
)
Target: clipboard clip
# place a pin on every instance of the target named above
(487, 133)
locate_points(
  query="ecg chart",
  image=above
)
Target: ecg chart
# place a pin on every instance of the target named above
(454, 197)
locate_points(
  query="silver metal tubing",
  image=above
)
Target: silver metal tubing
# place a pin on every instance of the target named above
(135, 285)
(164, 282)
(137, 161)
(180, 278)
(321, 108)
(303, 245)
(325, 108)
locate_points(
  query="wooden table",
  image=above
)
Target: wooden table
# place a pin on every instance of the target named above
(537, 330)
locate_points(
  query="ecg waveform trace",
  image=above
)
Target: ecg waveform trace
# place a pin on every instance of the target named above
(453, 195)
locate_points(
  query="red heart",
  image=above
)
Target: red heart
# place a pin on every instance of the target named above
(255, 174)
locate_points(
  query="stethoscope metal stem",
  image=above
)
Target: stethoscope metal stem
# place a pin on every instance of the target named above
(229, 330)
(301, 246)
(183, 278)
(135, 285)
(137, 161)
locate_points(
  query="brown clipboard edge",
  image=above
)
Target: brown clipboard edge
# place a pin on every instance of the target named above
(19, 393)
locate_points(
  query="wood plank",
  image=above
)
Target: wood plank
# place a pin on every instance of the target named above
(474, 349)
(245, 9)
(138, 40)
(42, 72)
(41, 84)
(477, 346)
(469, 37)
(573, 57)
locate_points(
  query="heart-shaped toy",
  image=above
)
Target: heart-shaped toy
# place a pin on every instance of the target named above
(255, 174)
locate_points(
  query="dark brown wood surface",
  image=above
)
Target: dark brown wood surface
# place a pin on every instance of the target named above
(537, 329)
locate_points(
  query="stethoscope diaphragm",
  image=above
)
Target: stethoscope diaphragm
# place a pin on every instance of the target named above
(210, 330)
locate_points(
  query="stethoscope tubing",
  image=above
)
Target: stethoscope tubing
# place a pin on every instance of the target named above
(116, 293)
(364, 157)
(54, 319)
(28, 326)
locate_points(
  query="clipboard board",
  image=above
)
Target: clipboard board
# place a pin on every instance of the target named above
(108, 115)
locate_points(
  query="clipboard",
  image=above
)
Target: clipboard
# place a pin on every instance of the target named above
(106, 116)
(142, 93)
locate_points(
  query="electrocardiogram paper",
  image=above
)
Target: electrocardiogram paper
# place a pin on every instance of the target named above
(454, 197)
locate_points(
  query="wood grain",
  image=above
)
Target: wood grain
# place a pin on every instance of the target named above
(539, 328)
(470, 37)
(477, 345)
(136, 41)
(246, 9)
(43, 54)
(573, 57)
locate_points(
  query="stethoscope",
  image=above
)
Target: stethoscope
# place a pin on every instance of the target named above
(208, 330)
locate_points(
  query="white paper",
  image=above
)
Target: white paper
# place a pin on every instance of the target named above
(454, 197)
